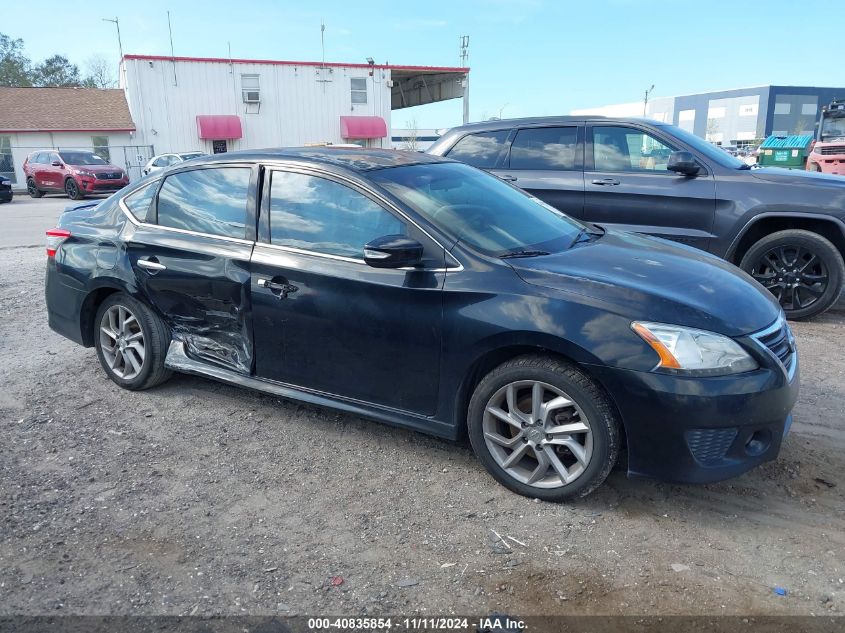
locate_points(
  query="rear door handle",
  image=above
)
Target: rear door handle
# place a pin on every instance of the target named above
(151, 265)
(280, 289)
(605, 182)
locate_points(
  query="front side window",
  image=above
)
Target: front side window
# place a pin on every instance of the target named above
(101, 147)
(315, 214)
(209, 201)
(359, 90)
(479, 209)
(628, 149)
(140, 202)
(546, 148)
(480, 150)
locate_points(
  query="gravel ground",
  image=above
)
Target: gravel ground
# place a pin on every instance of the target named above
(200, 498)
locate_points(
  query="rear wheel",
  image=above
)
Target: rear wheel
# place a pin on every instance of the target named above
(802, 269)
(33, 191)
(72, 190)
(131, 342)
(543, 428)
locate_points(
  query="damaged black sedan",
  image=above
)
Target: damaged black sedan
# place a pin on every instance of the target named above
(424, 293)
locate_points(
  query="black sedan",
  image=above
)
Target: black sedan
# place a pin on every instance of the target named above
(425, 293)
(5, 189)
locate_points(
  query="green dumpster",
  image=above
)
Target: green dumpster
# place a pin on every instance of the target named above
(785, 151)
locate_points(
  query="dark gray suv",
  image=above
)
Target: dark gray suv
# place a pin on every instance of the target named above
(785, 228)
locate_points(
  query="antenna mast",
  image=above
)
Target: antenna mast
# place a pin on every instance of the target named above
(464, 46)
(172, 56)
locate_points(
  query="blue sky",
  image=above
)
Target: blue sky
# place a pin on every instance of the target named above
(528, 57)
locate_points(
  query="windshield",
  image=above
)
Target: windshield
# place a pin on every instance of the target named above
(833, 127)
(479, 209)
(716, 154)
(81, 158)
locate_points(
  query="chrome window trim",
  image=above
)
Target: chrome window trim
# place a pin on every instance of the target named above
(350, 260)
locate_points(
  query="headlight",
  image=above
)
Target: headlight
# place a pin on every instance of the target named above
(83, 172)
(693, 352)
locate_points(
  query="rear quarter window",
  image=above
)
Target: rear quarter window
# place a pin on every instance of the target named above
(481, 149)
(140, 202)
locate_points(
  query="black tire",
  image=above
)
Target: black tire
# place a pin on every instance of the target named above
(72, 190)
(582, 390)
(815, 167)
(32, 190)
(156, 337)
(812, 256)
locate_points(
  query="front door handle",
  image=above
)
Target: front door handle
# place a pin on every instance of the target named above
(151, 265)
(508, 178)
(606, 182)
(280, 289)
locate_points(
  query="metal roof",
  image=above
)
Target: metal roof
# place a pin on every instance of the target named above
(794, 141)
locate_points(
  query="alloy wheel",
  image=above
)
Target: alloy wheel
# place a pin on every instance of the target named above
(30, 187)
(122, 342)
(795, 275)
(537, 434)
(71, 189)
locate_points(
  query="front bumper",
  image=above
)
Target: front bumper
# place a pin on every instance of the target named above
(95, 185)
(6, 195)
(699, 430)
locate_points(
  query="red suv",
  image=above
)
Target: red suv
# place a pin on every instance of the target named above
(75, 172)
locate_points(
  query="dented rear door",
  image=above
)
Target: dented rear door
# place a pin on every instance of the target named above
(193, 264)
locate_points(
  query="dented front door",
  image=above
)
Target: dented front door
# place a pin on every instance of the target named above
(199, 284)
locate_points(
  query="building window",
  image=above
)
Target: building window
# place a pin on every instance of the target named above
(101, 147)
(250, 88)
(783, 108)
(717, 112)
(359, 90)
(808, 108)
(748, 109)
(7, 163)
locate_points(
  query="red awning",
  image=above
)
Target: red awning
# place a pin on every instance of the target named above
(362, 127)
(219, 126)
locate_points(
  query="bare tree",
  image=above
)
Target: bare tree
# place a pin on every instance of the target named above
(411, 143)
(712, 129)
(99, 73)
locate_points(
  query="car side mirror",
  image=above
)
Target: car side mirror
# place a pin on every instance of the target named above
(683, 163)
(57, 163)
(393, 251)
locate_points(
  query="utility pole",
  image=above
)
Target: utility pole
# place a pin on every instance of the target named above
(464, 45)
(645, 100)
(172, 56)
(116, 22)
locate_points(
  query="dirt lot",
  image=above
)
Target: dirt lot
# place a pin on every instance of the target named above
(201, 498)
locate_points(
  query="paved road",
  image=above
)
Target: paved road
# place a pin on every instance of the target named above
(24, 220)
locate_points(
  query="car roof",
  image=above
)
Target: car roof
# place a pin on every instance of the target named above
(498, 124)
(359, 159)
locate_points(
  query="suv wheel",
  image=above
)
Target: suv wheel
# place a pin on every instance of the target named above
(802, 269)
(33, 191)
(72, 190)
(131, 342)
(543, 428)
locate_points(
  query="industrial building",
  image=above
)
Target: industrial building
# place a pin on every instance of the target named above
(734, 117)
(216, 105)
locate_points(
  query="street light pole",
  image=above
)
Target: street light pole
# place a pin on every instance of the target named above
(116, 22)
(645, 100)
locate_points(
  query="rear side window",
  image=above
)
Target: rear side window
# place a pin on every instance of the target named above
(546, 148)
(315, 214)
(209, 201)
(140, 202)
(480, 150)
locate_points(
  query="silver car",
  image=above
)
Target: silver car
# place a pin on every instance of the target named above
(162, 161)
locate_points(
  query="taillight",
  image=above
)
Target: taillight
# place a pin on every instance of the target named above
(55, 237)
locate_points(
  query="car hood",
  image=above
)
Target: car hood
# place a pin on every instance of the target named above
(798, 177)
(652, 279)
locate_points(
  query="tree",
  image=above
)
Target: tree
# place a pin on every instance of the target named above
(56, 72)
(99, 73)
(14, 65)
(411, 143)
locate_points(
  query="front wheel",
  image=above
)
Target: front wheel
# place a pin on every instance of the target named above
(72, 190)
(543, 429)
(802, 269)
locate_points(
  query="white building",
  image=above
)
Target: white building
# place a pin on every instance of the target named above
(63, 118)
(215, 105)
